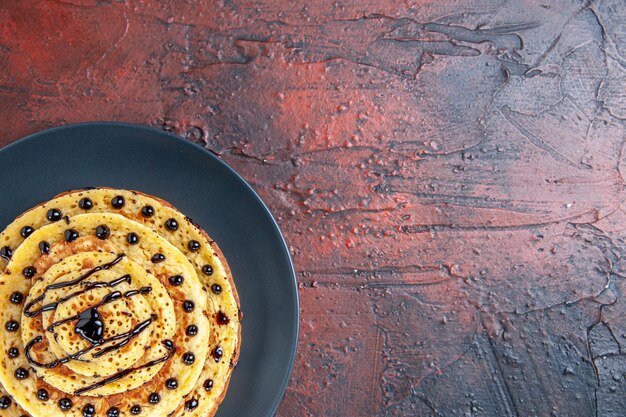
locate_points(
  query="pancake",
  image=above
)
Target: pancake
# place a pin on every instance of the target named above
(113, 303)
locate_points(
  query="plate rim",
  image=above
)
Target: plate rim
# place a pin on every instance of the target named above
(196, 147)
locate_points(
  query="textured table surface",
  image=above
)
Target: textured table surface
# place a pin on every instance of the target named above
(449, 176)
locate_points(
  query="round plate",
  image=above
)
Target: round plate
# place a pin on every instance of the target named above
(202, 187)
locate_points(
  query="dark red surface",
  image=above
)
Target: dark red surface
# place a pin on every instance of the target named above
(448, 174)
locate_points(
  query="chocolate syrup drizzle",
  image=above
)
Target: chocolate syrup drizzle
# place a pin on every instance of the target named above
(127, 336)
(65, 284)
(122, 374)
(124, 337)
(109, 298)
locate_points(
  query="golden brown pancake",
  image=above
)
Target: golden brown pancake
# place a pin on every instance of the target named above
(114, 303)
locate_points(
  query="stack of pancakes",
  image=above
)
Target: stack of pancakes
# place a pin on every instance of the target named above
(113, 303)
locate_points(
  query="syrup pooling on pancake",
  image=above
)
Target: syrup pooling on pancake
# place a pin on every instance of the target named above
(123, 306)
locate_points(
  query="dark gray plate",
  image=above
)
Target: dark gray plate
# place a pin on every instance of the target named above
(204, 188)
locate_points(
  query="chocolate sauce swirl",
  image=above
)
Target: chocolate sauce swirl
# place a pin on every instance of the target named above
(109, 298)
(125, 337)
(89, 324)
(65, 284)
(122, 374)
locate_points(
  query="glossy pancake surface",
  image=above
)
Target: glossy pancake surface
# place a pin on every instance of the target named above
(115, 302)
